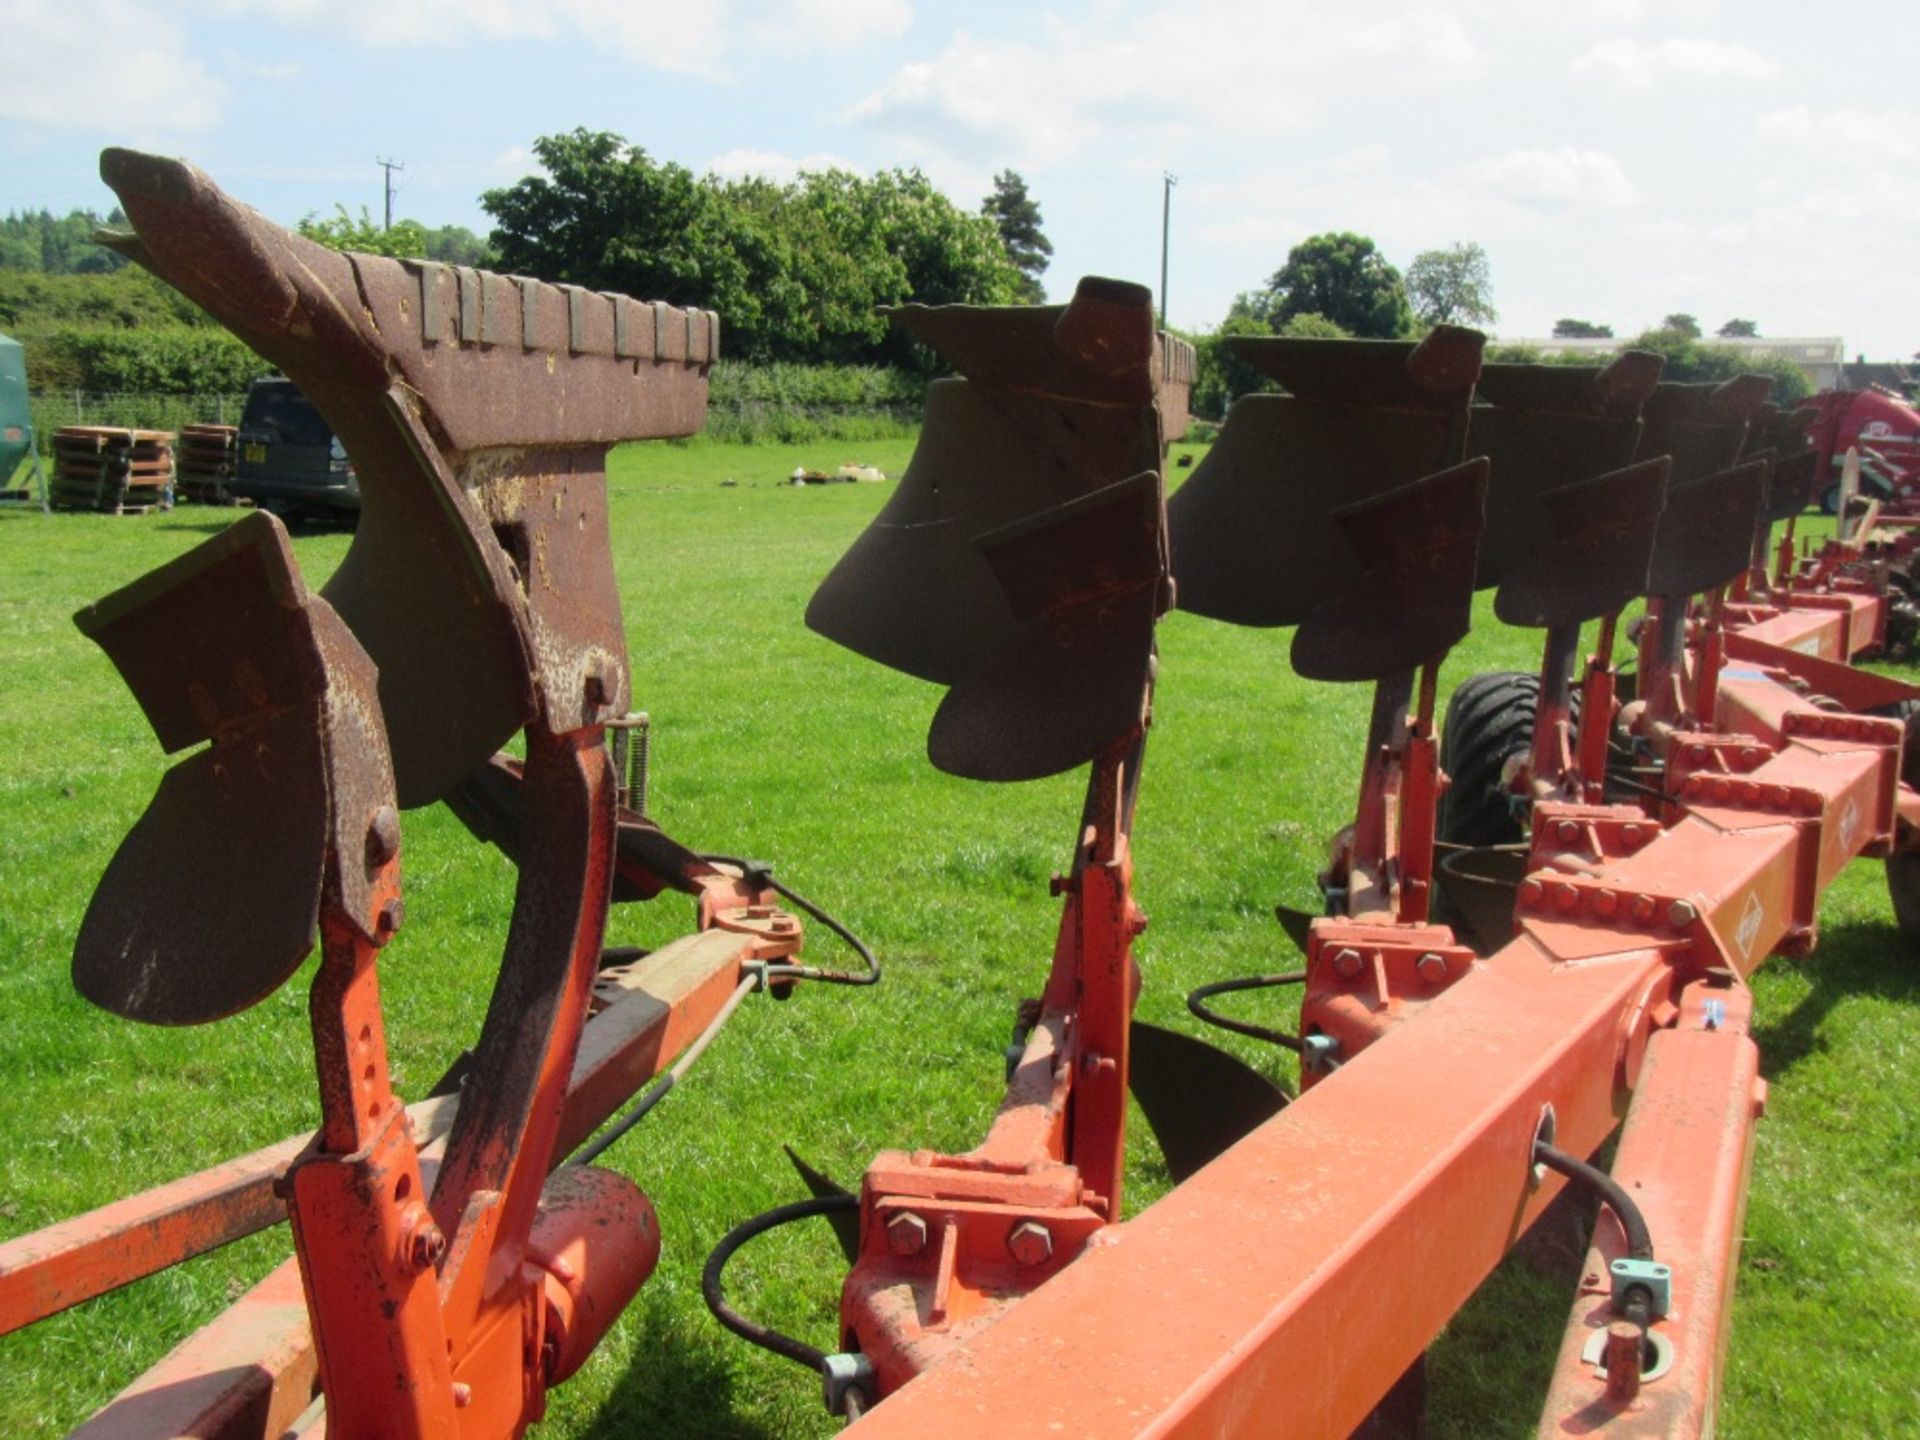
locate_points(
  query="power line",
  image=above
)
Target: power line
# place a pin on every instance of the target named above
(389, 166)
(1166, 222)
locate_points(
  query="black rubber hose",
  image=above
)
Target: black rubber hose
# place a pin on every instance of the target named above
(714, 1292)
(1196, 1004)
(808, 972)
(1639, 1237)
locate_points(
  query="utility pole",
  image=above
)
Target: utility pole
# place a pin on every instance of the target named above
(1166, 220)
(392, 165)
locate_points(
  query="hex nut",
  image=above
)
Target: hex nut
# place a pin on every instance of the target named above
(1031, 1243)
(1346, 963)
(906, 1234)
(1431, 967)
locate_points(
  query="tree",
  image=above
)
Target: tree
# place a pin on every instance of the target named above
(1453, 286)
(1017, 214)
(1739, 330)
(58, 245)
(407, 240)
(457, 245)
(1344, 277)
(1581, 330)
(1222, 377)
(796, 271)
(1688, 359)
(1683, 323)
(606, 215)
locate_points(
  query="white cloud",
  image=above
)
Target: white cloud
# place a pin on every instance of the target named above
(516, 160)
(775, 165)
(1145, 80)
(1564, 176)
(833, 24)
(1847, 135)
(690, 36)
(1637, 65)
(103, 64)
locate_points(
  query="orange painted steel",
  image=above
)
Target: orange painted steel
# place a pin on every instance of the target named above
(949, 1241)
(263, 1345)
(1286, 1285)
(1684, 1154)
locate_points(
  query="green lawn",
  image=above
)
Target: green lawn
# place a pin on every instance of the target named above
(773, 742)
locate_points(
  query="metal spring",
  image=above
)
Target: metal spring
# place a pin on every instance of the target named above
(631, 741)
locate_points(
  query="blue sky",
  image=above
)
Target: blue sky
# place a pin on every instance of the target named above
(1619, 159)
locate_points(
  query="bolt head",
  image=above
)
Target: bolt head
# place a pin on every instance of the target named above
(1569, 831)
(383, 837)
(426, 1243)
(1346, 963)
(1030, 1243)
(1681, 914)
(1431, 967)
(392, 916)
(906, 1234)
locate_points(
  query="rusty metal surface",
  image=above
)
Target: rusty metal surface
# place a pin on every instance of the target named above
(1546, 427)
(479, 410)
(1706, 531)
(1085, 583)
(1063, 405)
(1593, 552)
(1409, 594)
(1432, 373)
(1101, 348)
(1790, 484)
(453, 391)
(647, 859)
(224, 644)
(1702, 426)
(1253, 535)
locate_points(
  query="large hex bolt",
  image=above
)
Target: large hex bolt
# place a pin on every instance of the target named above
(1431, 967)
(1030, 1243)
(1346, 963)
(426, 1243)
(906, 1234)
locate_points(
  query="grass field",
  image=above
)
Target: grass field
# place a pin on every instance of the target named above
(773, 742)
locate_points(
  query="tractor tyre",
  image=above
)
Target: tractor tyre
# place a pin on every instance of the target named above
(1903, 866)
(1489, 721)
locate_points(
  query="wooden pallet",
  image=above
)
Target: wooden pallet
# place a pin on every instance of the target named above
(111, 470)
(207, 464)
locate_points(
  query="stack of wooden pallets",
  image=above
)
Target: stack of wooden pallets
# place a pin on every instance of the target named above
(207, 455)
(112, 470)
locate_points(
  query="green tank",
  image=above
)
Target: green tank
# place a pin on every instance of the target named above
(16, 425)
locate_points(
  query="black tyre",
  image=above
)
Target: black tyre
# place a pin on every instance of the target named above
(1903, 868)
(1489, 721)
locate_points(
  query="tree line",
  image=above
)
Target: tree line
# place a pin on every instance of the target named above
(798, 270)
(1340, 284)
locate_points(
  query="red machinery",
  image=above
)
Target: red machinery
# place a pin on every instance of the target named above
(447, 1273)
(1292, 1283)
(448, 1268)
(1882, 427)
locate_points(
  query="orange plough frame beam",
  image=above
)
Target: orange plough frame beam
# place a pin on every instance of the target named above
(1289, 1283)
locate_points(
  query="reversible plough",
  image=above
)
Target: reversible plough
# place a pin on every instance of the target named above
(1533, 936)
